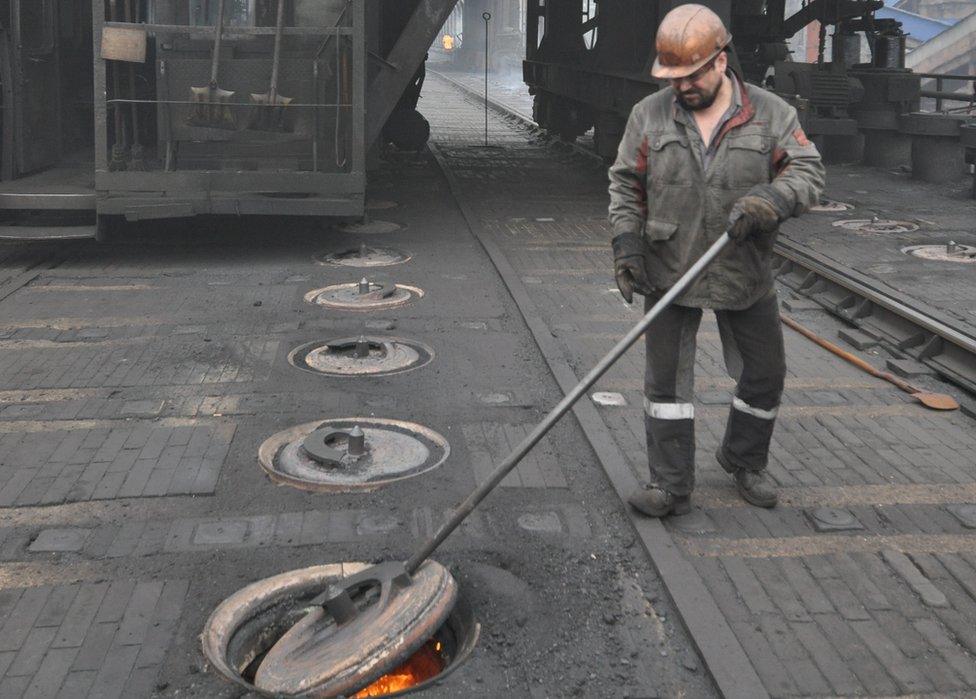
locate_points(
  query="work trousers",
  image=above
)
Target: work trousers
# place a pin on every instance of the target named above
(752, 346)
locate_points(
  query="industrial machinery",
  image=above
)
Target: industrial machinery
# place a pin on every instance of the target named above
(118, 110)
(136, 109)
(587, 68)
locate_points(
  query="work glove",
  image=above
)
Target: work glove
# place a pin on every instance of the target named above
(628, 266)
(752, 217)
(757, 215)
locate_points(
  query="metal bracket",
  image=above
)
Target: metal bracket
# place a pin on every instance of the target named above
(375, 290)
(317, 446)
(361, 348)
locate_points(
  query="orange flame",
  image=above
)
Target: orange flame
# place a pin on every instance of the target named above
(419, 667)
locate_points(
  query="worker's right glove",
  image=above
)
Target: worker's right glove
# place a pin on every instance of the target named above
(757, 215)
(629, 267)
(752, 217)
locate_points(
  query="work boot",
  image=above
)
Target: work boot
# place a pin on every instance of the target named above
(754, 486)
(658, 502)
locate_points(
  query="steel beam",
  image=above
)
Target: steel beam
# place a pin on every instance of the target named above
(399, 67)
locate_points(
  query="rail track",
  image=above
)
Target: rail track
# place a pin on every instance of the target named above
(22, 264)
(900, 324)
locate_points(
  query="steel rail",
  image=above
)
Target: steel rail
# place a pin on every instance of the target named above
(14, 283)
(508, 110)
(860, 285)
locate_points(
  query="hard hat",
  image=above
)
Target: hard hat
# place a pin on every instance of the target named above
(689, 37)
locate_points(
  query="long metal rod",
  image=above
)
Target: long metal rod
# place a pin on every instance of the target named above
(461, 512)
(487, 18)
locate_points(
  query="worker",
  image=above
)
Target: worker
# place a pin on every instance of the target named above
(710, 154)
(448, 42)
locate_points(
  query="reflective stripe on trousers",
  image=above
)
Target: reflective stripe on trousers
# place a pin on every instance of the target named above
(739, 404)
(669, 411)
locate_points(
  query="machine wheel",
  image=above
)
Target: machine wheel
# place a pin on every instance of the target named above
(563, 117)
(540, 109)
(108, 229)
(608, 131)
(407, 129)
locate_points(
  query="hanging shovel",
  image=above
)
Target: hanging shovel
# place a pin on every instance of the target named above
(936, 401)
(210, 103)
(137, 156)
(120, 146)
(270, 112)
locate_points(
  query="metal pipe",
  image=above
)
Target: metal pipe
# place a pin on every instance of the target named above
(461, 512)
(939, 96)
(487, 17)
(236, 30)
(947, 76)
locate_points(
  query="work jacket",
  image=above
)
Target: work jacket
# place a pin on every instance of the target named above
(659, 188)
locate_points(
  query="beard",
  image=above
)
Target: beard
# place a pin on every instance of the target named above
(695, 98)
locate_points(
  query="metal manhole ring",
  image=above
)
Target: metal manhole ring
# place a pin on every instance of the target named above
(364, 256)
(875, 225)
(385, 356)
(373, 227)
(235, 633)
(347, 297)
(953, 252)
(830, 206)
(398, 450)
(250, 601)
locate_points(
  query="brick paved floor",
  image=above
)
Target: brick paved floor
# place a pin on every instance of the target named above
(89, 639)
(884, 606)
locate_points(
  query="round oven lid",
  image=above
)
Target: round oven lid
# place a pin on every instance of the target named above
(359, 629)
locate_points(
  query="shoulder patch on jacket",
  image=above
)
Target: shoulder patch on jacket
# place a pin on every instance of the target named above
(801, 137)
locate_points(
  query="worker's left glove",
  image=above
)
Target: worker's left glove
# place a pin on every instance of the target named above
(629, 266)
(757, 215)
